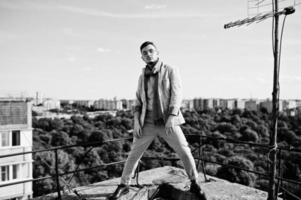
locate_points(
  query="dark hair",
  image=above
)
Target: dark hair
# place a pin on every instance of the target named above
(144, 44)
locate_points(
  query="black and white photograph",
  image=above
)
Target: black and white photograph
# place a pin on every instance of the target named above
(150, 100)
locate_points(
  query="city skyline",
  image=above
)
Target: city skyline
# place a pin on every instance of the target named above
(90, 50)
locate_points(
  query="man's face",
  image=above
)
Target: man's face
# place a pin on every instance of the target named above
(149, 54)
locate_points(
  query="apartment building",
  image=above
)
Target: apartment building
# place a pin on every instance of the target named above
(268, 105)
(15, 137)
(128, 104)
(50, 104)
(208, 104)
(227, 103)
(106, 104)
(240, 104)
(198, 104)
(216, 103)
(251, 105)
(84, 103)
(231, 104)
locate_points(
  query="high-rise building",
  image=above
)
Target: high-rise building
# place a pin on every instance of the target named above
(117, 104)
(38, 99)
(216, 103)
(267, 104)
(240, 104)
(227, 103)
(128, 104)
(66, 101)
(84, 103)
(251, 105)
(223, 104)
(230, 104)
(50, 104)
(15, 137)
(105, 104)
(198, 104)
(208, 104)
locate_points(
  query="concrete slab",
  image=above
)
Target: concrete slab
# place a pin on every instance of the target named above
(217, 189)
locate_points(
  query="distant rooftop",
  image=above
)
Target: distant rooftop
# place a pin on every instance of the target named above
(216, 189)
(15, 99)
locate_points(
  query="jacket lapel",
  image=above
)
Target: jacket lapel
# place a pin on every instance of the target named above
(143, 86)
(160, 77)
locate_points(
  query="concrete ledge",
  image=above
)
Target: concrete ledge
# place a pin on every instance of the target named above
(217, 189)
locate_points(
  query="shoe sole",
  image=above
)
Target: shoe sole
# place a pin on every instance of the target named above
(124, 192)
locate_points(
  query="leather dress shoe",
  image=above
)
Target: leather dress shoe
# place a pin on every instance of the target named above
(120, 191)
(196, 189)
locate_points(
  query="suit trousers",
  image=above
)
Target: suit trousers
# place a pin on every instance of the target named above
(176, 140)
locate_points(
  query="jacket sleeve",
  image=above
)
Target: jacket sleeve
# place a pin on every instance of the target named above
(138, 101)
(176, 92)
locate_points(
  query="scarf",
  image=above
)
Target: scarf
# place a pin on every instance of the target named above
(150, 70)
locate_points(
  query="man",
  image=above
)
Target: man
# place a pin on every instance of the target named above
(157, 113)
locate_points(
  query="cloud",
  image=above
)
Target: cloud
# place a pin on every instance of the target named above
(100, 13)
(103, 50)
(71, 59)
(154, 7)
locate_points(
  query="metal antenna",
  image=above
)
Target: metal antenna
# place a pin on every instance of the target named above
(273, 136)
(260, 17)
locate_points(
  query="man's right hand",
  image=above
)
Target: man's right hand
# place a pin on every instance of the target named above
(137, 129)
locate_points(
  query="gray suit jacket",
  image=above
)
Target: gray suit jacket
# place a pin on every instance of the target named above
(170, 94)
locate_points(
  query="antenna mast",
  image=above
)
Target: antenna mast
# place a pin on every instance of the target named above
(273, 136)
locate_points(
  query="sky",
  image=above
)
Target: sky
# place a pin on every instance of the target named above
(75, 49)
